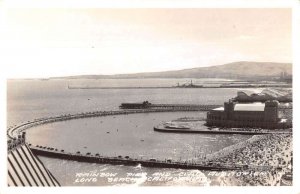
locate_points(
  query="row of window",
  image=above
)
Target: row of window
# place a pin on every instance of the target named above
(252, 117)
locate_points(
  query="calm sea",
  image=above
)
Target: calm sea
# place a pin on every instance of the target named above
(125, 135)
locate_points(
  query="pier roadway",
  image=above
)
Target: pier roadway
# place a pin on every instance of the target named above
(188, 107)
(196, 107)
(55, 153)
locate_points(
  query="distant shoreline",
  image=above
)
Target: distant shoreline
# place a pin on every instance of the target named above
(241, 70)
(174, 87)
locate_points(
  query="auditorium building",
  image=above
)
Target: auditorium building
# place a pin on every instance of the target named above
(256, 115)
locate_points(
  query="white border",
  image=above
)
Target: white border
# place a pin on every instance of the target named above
(149, 3)
(23, 4)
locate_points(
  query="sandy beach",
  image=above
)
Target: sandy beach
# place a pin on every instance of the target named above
(273, 151)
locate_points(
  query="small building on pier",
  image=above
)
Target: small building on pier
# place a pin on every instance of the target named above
(142, 105)
(258, 115)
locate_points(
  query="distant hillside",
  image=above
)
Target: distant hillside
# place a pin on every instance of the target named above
(242, 69)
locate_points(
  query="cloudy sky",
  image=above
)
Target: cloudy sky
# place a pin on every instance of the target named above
(58, 42)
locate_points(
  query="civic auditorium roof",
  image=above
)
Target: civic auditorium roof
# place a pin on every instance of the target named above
(219, 109)
(250, 107)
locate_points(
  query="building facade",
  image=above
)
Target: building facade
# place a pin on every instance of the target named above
(258, 115)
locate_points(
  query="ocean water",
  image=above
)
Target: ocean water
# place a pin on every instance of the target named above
(130, 135)
(29, 99)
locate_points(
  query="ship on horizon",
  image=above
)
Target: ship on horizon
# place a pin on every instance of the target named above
(188, 85)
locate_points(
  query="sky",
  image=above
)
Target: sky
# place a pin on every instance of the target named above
(47, 42)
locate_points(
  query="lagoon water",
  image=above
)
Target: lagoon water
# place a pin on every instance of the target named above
(130, 135)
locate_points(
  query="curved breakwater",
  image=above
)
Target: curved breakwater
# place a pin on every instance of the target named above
(61, 154)
(55, 153)
(13, 132)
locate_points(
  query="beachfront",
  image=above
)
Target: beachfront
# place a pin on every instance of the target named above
(264, 150)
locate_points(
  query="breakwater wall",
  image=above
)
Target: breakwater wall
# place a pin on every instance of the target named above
(13, 132)
(54, 153)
